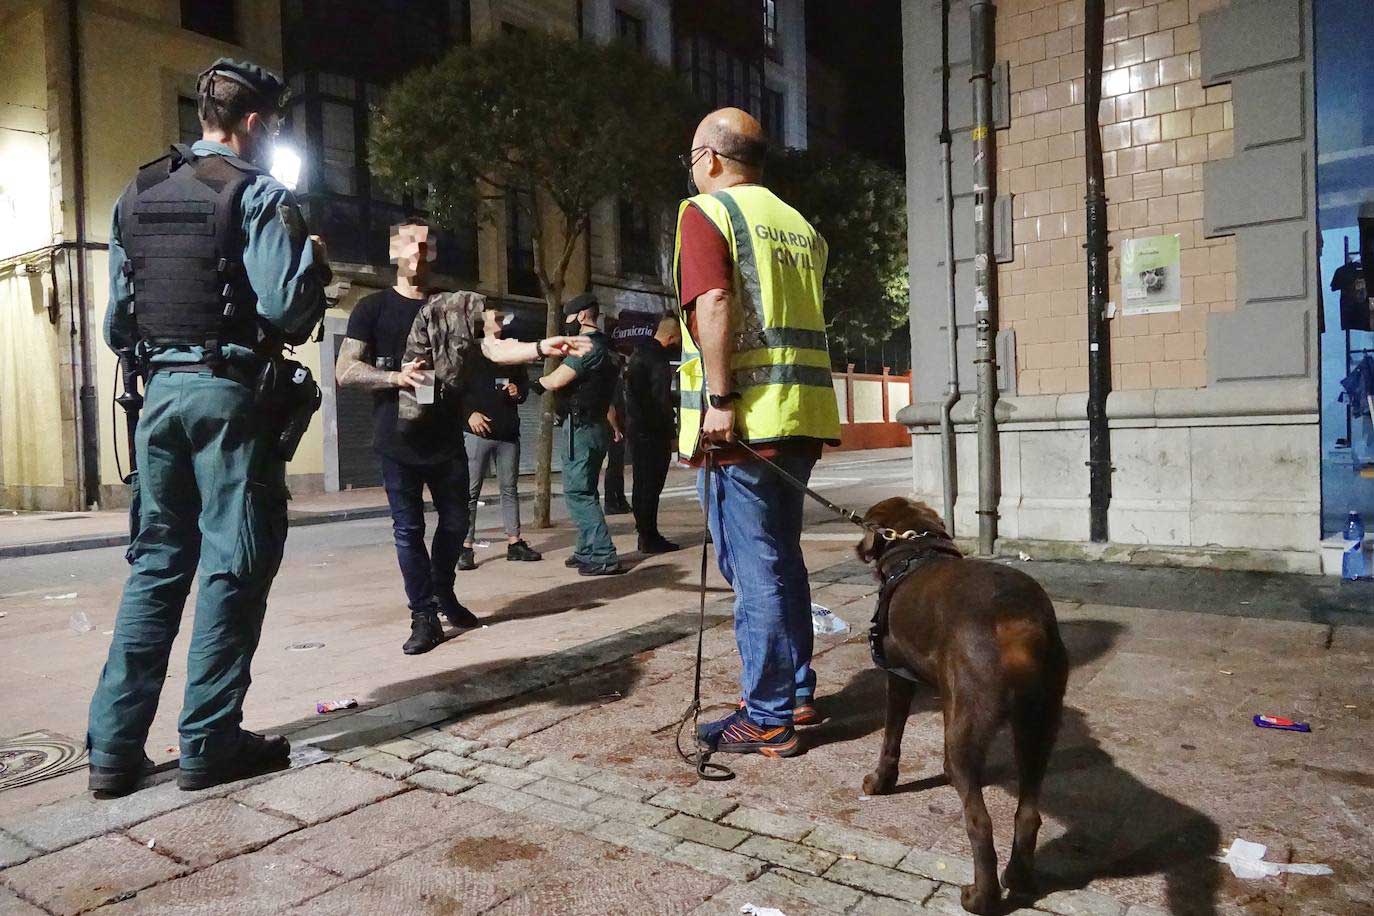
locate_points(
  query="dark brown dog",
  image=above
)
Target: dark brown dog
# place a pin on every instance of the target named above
(985, 637)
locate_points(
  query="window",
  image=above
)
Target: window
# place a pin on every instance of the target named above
(188, 120)
(721, 78)
(214, 18)
(638, 240)
(770, 27)
(772, 119)
(340, 166)
(520, 276)
(629, 29)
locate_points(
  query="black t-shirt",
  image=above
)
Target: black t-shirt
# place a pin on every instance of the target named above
(649, 391)
(1356, 313)
(382, 322)
(486, 393)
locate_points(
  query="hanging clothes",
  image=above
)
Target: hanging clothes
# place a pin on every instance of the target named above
(1358, 387)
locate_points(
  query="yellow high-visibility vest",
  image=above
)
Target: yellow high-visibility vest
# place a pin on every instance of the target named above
(781, 361)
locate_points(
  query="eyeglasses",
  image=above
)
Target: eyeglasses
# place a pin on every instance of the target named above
(690, 159)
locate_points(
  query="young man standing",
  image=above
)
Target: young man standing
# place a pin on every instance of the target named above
(492, 402)
(649, 412)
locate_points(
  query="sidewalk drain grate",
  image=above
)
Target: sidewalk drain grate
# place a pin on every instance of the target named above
(36, 756)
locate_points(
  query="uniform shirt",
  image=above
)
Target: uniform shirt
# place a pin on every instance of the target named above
(485, 393)
(589, 364)
(704, 264)
(280, 265)
(649, 391)
(382, 321)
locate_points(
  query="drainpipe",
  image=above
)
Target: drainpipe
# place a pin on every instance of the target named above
(981, 16)
(947, 443)
(1099, 335)
(89, 438)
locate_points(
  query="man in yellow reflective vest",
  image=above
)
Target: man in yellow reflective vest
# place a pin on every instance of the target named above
(756, 367)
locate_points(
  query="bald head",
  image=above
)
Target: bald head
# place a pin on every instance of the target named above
(736, 144)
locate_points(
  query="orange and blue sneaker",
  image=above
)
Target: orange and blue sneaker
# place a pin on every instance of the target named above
(804, 714)
(738, 734)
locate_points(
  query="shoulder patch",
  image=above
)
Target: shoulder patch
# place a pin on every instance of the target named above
(290, 216)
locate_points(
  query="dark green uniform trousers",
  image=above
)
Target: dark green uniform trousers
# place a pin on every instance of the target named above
(582, 461)
(209, 499)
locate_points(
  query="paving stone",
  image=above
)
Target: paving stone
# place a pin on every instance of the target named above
(1141, 909)
(939, 867)
(769, 824)
(712, 809)
(780, 852)
(11, 905)
(882, 881)
(500, 797)
(72, 820)
(319, 793)
(624, 809)
(212, 830)
(715, 861)
(818, 891)
(441, 782)
(1080, 903)
(885, 906)
(502, 776)
(92, 873)
(379, 834)
(945, 902)
(565, 793)
(845, 842)
(443, 741)
(700, 831)
(257, 884)
(14, 850)
(612, 784)
(566, 770)
(352, 754)
(731, 900)
(447, 761)
(387, 765)
(405, 748)
(564, 816)
(633, 836)
(503, 756)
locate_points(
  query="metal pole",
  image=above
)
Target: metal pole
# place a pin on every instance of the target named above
(950, 467)
(1099, 335)
(981, 15)
(88, 442)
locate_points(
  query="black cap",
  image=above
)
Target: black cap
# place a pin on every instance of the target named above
(263, 82)
(579, 304)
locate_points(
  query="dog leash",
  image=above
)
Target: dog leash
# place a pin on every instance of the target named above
(701, 759)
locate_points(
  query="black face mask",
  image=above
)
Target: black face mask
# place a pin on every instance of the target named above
(692, 189)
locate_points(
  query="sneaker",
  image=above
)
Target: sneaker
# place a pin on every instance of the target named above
(114, 782)
(601, 569)
(425, 634)
(454, 612)
(522, 552)
(574, 562)
(738, 734)
(802, 714)
(467, 559)
(255, 755)
(658, 545)
(618, 507)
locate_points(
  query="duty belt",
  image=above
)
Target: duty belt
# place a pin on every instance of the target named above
(218, 370)
(899, 562)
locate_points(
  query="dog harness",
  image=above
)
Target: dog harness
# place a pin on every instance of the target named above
(896, 564)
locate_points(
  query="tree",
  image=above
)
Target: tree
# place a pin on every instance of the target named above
(558, 123)
(859, 207)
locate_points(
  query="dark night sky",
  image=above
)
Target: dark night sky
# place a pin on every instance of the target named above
(862, 39)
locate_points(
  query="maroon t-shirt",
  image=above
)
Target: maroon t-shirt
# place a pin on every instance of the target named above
(704, 264)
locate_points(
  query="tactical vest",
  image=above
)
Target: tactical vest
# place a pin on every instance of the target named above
(180, 222)
(589, 398)
(781, 361)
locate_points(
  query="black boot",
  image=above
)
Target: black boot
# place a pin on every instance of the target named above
(466, 559)
(113, 782)
(522, 552)
(255, 755)
(425, 634)
(454, 612)
(657, 544)
(617, 507)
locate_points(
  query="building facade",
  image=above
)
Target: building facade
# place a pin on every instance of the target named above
(1223, 411)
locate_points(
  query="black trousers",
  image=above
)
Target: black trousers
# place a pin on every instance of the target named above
(613, 491)
(651, 456)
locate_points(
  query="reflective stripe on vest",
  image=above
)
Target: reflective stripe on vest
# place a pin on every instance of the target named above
(781, 360)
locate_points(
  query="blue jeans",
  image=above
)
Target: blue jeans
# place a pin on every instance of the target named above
(427, 574)
(756, 523)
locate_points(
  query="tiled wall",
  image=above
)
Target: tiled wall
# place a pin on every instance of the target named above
(1159, 125)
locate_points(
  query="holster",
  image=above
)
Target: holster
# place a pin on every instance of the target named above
(285, 392)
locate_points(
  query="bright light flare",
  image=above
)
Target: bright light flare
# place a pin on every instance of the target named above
(286, 166)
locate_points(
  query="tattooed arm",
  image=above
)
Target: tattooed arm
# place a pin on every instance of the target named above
(354, 369)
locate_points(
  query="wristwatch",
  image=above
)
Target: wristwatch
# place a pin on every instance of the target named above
(723, 401)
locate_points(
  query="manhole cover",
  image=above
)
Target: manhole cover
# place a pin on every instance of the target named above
(304, 646)
(36, 756)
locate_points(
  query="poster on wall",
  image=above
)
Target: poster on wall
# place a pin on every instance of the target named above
(1150, 275)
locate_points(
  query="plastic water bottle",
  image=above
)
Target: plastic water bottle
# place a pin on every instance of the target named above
(1354, 527)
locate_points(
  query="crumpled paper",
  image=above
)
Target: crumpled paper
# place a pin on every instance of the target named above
(1246, 860)
(750, 910)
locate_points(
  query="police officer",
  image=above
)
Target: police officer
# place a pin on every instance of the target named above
(648, 384)
(211, 272)
(587, 383)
